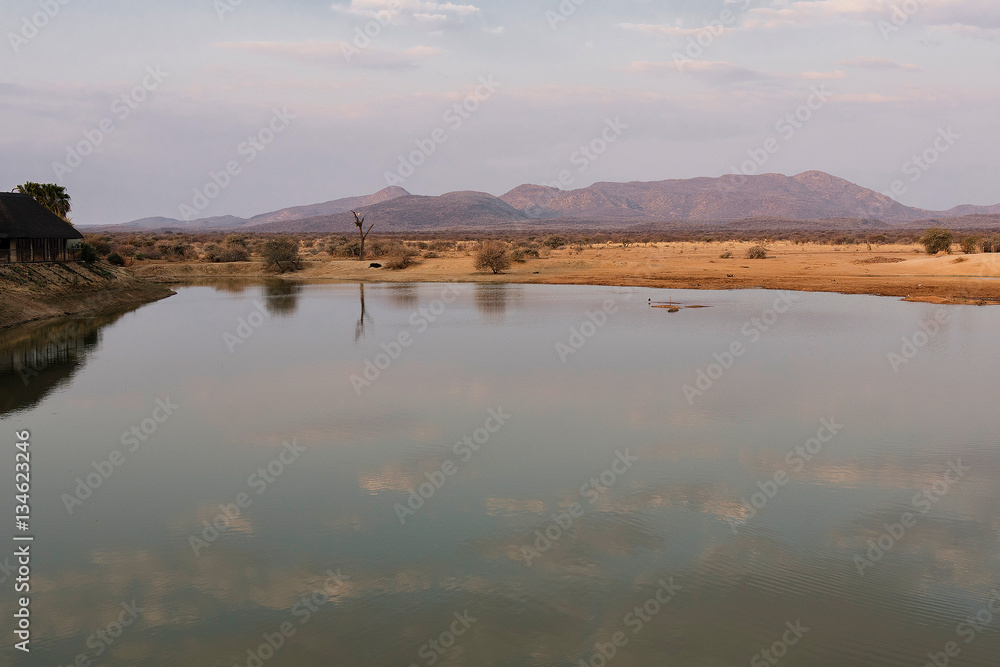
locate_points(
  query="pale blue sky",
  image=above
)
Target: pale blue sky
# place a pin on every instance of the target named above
(892, 90)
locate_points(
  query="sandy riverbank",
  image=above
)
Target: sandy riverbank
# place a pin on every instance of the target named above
(886, 270)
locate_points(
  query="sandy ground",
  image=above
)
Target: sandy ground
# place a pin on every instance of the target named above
(887, 270)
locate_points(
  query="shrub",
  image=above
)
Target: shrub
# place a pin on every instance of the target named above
(492, 256)
(554, 242)
(971, 244)
(101, 247)
(116, 260)
(757, 252)
(439, 246)
(517, 255)
(937, 240)
(726, 255)
(88, 253)
(281, 254)
(400, 261)
(430, 254)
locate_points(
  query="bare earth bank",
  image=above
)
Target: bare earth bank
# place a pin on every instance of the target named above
(31, 292)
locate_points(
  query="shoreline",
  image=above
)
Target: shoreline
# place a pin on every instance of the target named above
(35, 292)
(890, 271)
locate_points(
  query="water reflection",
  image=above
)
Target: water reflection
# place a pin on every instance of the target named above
(36, 359)
(364, 319)
(493, 299)
(281, 297)
(680, 513)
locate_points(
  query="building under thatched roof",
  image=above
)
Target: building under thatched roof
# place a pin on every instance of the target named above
(29, 232)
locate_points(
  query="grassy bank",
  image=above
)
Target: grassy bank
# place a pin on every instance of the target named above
(30, 292)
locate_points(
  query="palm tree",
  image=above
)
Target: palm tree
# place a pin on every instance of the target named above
(51, 196)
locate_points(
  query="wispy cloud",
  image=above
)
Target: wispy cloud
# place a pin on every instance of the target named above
(664, 30)
(332, 53)
(875, 63)
(431, 16)
(723, 72)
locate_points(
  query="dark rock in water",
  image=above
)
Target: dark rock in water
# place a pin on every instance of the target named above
(374, 265)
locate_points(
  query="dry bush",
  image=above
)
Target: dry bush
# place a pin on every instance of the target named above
(757, 252)
(401, 261)
(492, 256)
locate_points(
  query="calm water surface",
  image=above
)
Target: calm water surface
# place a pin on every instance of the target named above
(813, 483)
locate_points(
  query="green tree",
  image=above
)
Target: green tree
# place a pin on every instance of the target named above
(937, 240)
(51, 196)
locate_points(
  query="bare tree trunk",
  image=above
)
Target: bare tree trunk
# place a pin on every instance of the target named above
(360, 222)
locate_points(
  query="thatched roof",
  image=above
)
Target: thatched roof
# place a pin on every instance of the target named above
(21, 217)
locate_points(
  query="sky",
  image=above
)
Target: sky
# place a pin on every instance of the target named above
(197, 108)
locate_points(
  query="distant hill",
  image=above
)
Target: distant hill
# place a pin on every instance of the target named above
(812, 196)
(230, 222)
(455, 210)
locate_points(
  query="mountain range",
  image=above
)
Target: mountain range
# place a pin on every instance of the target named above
(811, 196)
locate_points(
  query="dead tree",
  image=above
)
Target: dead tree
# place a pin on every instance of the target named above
(360, 222)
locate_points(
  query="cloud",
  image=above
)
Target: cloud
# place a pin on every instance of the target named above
(972, 18)
(433, 16)
(875, 63)
(817, 76)
(717, 71)
(722, 72)
(334, 53)
(673, 30)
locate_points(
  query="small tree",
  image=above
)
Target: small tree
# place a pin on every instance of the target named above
(281, 253)
(492, 256)
(937, 240)
(971, 244)
(360, 222)
(757, 252)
